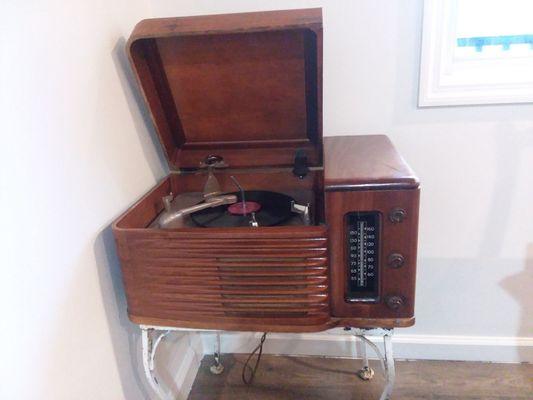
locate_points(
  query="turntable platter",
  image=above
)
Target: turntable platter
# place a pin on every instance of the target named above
(271, 209)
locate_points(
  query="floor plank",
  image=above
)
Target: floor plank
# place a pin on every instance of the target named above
(317, 378)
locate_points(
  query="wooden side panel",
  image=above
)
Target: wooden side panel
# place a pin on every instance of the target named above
(396, 237)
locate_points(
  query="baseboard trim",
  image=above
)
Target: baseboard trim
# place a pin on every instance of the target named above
(416, 347)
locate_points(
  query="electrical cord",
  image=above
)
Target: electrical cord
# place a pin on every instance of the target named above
(248, 380)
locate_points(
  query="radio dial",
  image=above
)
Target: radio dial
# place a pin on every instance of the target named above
(396, 260)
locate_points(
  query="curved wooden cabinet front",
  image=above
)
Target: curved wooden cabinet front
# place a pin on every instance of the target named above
(269, 279)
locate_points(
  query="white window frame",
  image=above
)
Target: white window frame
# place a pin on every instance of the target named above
(443, 85)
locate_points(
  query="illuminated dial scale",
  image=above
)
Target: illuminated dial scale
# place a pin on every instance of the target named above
(362, 233)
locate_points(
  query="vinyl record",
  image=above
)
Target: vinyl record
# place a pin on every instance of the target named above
(275, 208)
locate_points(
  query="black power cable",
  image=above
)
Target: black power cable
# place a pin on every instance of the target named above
(248, 380)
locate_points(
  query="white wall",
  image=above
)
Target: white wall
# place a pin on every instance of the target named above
(76, 152)
(475, 164)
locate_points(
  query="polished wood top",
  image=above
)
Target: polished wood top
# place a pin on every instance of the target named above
(364, 163)
(228, 23)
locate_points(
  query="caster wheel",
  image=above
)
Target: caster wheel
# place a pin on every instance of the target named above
(216, 369)
(366, 373)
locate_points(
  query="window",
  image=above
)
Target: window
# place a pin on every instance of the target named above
(476, 52)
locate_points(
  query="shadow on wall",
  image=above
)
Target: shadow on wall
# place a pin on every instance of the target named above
(509, 174)
(150, 143)
(519, 286)
(124, 334)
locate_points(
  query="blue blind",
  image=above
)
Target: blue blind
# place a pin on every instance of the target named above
(505, 41)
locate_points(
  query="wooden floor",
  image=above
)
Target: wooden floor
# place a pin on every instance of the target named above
(310, 378)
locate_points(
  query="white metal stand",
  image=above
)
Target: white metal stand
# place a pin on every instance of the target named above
(153, 335)
(387, 362)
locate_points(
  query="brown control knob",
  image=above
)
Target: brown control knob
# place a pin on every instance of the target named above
(395, 260)
(397, 215)
(394, 302)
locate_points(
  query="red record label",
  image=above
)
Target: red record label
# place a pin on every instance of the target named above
(239, 209)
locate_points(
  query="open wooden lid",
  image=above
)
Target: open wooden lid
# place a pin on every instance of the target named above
(246, 87)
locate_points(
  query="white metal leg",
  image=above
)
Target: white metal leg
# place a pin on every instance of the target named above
(386, 361)
(365, 373)
(364, 356)
(217, 368)
(149, 348)
(389, 366)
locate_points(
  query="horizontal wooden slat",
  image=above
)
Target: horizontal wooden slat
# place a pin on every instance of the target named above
(236, 245)
(216, 319)
(185, 297)
(157, 273)
(233, 254)
(225, 262)
(209, 235)
(248, 307)
(259, 292)
(250, 281)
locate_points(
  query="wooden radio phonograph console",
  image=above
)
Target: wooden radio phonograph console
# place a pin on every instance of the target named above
(262, 224)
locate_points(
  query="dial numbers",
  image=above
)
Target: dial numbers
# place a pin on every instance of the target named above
(363, 244)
